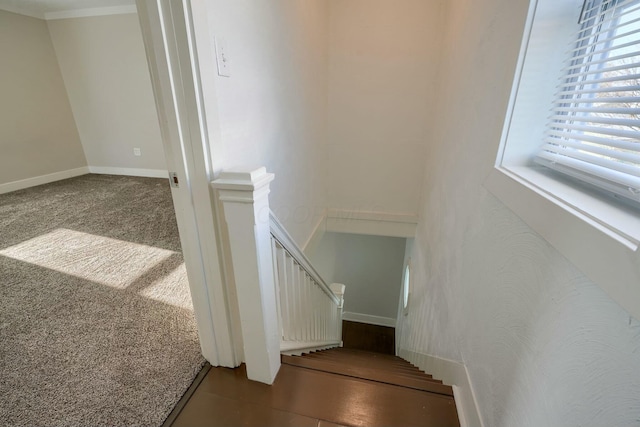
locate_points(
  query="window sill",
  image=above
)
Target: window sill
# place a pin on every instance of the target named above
(599, 237)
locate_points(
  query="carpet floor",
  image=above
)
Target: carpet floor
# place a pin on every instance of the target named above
(96, 322)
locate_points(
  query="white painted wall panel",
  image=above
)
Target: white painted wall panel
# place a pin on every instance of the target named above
(105, 71)
(543, 345)
(272, 110)
(38, 135)
(382, 78)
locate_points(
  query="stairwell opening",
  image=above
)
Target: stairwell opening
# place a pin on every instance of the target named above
(372, 268)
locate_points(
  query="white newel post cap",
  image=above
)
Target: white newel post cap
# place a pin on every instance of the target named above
(337, 289)
(242, 179)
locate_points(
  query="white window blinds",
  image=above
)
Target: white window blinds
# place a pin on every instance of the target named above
(594, 129)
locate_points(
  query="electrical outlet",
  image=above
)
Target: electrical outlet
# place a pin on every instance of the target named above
(137, 152)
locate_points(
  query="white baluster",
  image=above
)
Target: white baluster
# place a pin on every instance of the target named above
(288, 260)
(281, 283)
(326, 316)
(310, 286)
(331, 312)
(321, 316)
(295, 299)
(323, 302)
(307, 307)
(302, 276)
(318, 305)
(316, 311)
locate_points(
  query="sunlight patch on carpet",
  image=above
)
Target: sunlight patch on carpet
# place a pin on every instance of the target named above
(110, 262)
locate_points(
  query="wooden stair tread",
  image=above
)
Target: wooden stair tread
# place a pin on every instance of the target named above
(417, 381)
(365, 353)
(347, 352)
(374, 357)
(398, 366)
(414, 373)
(322, 395)
(399, 370)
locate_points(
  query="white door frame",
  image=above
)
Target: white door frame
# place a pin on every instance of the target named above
(169, 42)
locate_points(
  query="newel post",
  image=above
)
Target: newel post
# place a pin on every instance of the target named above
(244, 195)
(338, 290)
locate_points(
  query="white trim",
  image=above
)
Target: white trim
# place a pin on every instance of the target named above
(370, 319)
(454, 374)
(168, 35)
(20, 11)
(390, 224)
(607, 258)
(238, 182)
(42, 179)
(316, 236)
(149, 173)
(94, 11)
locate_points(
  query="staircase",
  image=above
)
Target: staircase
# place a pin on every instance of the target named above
(337, 387)
(286, 309)
(376, 367)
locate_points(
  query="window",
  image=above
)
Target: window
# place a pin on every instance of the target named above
(406, 287)
(594, 130)
(569, 158)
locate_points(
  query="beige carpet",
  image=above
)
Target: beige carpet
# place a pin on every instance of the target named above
(96, 322)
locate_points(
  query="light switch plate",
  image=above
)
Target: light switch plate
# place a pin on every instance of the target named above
(222, 57)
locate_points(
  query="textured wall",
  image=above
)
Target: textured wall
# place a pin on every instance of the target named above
(543, 345)
(105, 72)
(382, 68)
(38, 135)
(272, 110)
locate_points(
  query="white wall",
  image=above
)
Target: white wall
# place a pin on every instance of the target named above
(382, 69)
(271, 111)
(333, 96)
(105, 71)
(369, 266)
(38, 135)
(543, 345)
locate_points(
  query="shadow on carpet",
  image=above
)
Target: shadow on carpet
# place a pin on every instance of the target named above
(96, 322)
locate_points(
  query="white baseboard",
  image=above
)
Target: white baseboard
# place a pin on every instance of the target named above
(370, 319)
(316, 236)
(42, 179)
(454, 374)
(372, 223)
(148, 173)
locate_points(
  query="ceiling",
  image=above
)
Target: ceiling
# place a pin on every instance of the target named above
(40, 8)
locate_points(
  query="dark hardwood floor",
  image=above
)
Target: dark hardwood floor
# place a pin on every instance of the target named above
(338, 387)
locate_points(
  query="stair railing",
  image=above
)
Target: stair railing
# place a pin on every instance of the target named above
(283, 303)
(310, 310)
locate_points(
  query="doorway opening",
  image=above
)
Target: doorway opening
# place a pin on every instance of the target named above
(96, 320)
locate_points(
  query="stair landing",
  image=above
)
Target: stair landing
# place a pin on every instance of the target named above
(336, 387)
